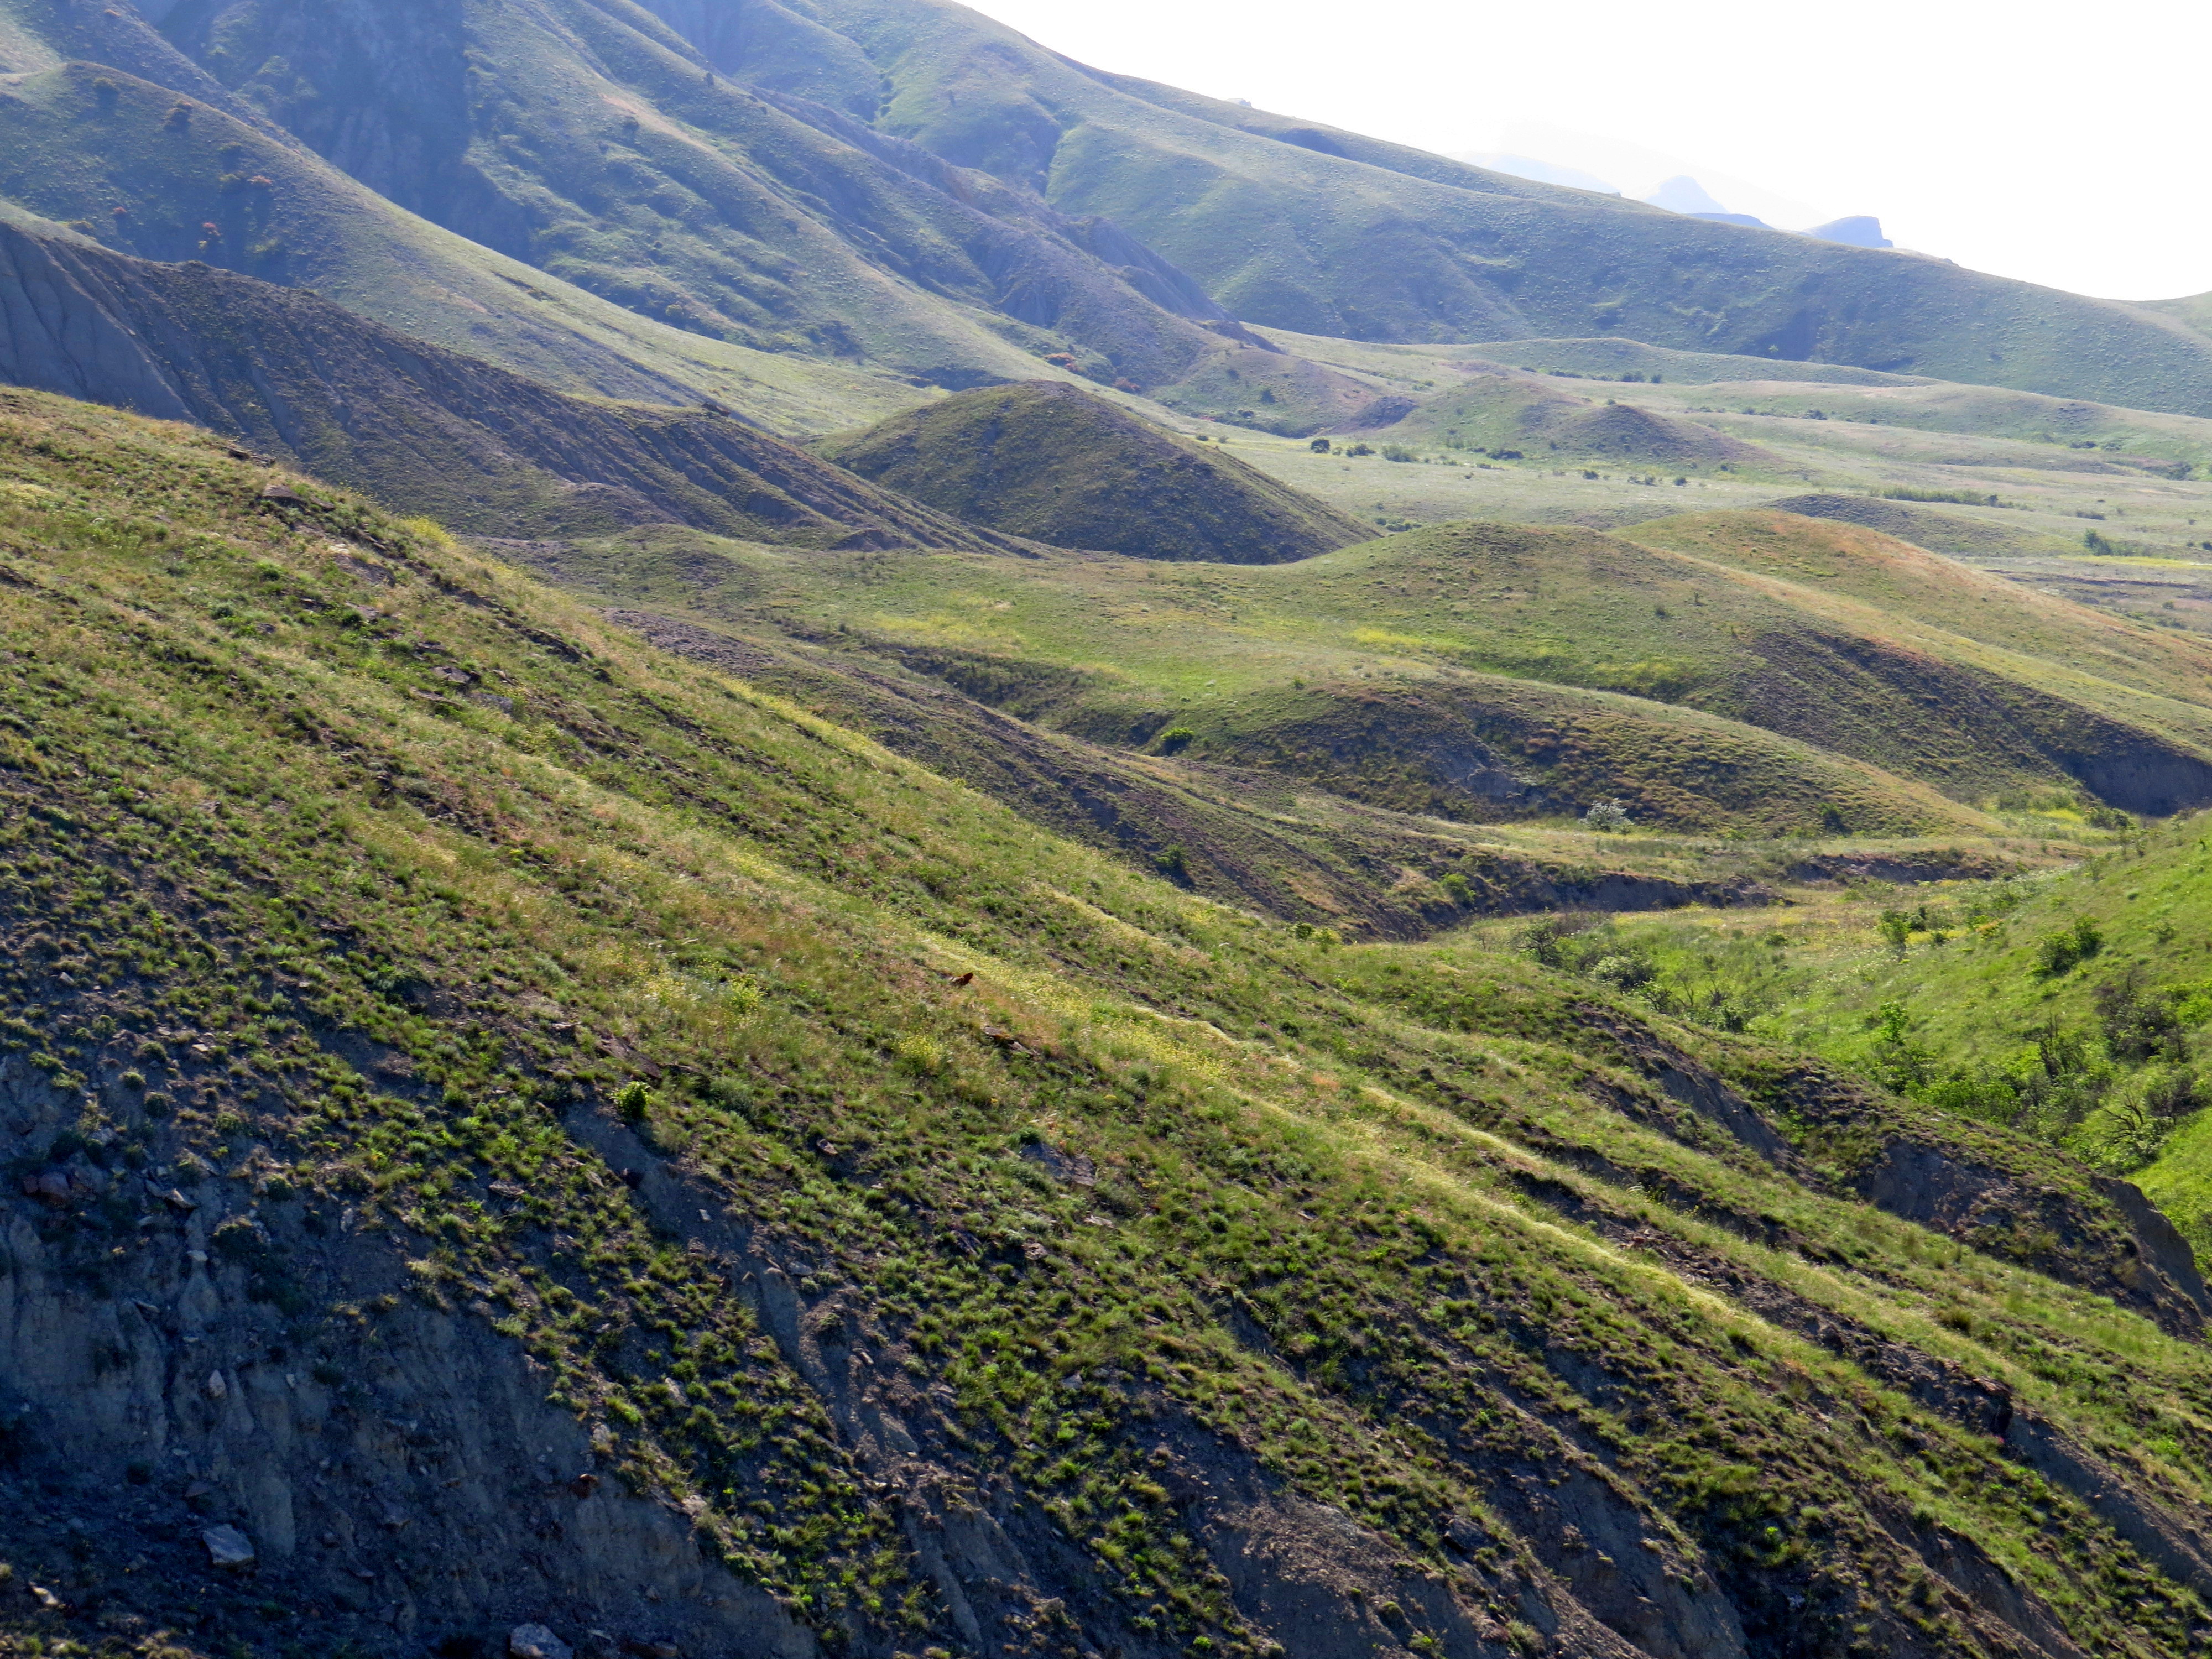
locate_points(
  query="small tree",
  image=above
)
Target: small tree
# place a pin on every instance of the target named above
(1319, 445)
(1608, 817)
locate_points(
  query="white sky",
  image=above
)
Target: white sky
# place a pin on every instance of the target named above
(2062, 144)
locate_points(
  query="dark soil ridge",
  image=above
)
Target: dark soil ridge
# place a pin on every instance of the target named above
(423, 429)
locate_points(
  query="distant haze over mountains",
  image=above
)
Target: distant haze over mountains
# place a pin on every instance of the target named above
(1554, 155)
(1840, 119)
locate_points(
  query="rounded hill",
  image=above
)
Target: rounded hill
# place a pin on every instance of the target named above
(1046, 460)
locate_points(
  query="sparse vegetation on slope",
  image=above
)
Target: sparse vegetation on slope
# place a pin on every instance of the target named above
(977, 1245)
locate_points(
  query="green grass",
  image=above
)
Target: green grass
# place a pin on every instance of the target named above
(1465, 1235)
(2070, 1008)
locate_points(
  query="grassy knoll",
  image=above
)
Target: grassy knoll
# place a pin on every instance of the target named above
(1308, 671)
(1159, 1224)
(1044, 460)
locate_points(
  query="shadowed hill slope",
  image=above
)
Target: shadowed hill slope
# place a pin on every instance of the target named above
(421, 428)
(146, 171)
(1052, 462)
(616, 1152)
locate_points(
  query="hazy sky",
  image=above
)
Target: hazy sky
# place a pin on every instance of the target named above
(2066, 145)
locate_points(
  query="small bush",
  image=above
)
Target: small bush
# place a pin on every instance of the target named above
(633, 1099)
(921, 1053)
(2062, 951)
(1176, 739)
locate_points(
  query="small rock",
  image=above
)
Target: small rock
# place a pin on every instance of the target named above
(177, 1201)
(227, 1546)
(216, 1388)
(536, 1642)
(47, 1601)
(284, 495)
(633, 1649)
(584, 1484)
(51, 1188)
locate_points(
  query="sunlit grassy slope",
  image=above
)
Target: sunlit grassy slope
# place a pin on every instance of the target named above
(1760, 670)
(1158, 1220)
(2070, 1007)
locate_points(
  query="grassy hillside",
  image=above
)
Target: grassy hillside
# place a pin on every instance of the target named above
(1046, 461)
(1519, 413)
(625, 1121)
(2118, 518)
(2071, 1009)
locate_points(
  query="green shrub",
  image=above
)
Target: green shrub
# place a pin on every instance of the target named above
(2062, 951)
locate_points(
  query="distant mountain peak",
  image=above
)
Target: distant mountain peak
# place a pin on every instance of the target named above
(1683, 194)
(1856, 230)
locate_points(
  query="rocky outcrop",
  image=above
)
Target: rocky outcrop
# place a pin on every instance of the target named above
(401, 1471)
